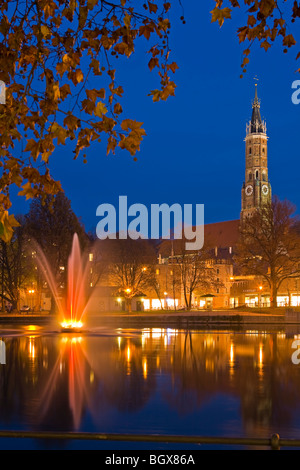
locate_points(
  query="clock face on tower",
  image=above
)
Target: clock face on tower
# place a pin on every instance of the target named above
(249, 190)
(265, 189)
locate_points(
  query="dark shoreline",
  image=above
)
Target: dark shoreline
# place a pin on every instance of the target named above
(162, 318)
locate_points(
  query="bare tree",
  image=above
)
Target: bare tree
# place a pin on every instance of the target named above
(16, 264)
(197, 272)
(131, 267)
(269, 245)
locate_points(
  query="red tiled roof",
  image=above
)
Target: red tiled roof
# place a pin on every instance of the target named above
(218, 234)
(222, 234)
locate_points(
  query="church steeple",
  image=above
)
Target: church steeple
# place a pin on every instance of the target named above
(256, 122)
(256, 189)
(256, 125)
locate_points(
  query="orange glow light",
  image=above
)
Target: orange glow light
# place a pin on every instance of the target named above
(71, 324)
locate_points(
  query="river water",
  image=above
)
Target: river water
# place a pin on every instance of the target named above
(206, 382)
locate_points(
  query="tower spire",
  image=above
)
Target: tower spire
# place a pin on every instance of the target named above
(256, 100)
(256, 126)
(256, 190)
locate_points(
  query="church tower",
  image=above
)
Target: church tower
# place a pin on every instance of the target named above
(256, 190)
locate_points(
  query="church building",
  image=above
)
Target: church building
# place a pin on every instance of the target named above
(256, 189)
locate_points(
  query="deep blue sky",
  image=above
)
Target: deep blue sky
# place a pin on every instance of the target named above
(194, 148)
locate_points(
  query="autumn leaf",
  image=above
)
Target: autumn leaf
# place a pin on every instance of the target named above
(152, 7)
(45, 31)
(118, 108)
(132, 141)
(173, 67)
(289, 41)
(267, 6)
(7, 224)
(251, 20)
(100, 109)
(265, 45)
(27, 191)
(220, 14)
(59, 132)
(79, 75)
(153, 62)
(127, 20)
(91, 4)
(32, 147)
(146, 30)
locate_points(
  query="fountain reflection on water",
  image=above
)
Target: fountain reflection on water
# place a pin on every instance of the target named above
(71, 310)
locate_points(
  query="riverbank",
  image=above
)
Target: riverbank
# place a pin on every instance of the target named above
(189, 319)
(170, 319)
(167, 318)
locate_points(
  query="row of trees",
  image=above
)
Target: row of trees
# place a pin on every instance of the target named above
(128, 265)
(49, 224)
(132, 268)
(268, 247)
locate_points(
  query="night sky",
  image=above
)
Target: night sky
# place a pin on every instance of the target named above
(194, 148)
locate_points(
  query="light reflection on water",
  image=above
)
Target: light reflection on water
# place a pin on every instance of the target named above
(152, 380)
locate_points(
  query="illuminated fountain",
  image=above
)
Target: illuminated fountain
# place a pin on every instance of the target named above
(72, 310)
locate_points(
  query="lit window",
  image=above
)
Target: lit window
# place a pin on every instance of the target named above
(91, 256)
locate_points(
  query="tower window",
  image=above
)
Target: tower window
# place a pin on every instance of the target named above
(250, 151)
(256, 174)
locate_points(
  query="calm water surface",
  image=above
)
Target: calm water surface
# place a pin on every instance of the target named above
(152, 380)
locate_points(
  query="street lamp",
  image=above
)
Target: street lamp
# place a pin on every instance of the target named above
(259, 297)
(166, 304)
(31, 292)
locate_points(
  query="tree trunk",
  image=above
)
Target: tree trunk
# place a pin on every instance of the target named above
(174, 296)
(186, 299)
(273, 298)
(190, 300)
(128, 305)
(14, 305)
(53, 305)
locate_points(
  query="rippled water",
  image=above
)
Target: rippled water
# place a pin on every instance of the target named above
(146, 381)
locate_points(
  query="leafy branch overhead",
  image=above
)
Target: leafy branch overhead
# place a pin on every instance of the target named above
(59, 60)
(265, 21)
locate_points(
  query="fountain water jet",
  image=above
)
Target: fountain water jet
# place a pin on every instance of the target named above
(71, 315)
